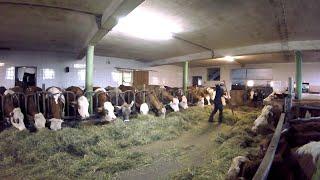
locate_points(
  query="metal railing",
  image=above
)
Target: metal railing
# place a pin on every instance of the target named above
(264, 168)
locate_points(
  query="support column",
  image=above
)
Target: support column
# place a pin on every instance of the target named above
(89, 75)
(298, 59)
(185, 77)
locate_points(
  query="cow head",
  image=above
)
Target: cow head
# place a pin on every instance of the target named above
(201, 102)
(184, 102)
(126, 110)
(17, 119)
(83, 107)
(144, 108)
(55, 124)
(109, 112)
(174, 104)
(212, 93)
(39, 121)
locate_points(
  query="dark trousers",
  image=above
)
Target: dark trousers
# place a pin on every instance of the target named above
(217, 106)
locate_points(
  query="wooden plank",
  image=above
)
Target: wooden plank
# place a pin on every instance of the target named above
(263, 170)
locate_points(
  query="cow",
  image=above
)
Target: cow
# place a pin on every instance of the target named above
(144, 109)
(103, 105)
(163, 95)
(155, 105)
(126, 111)
(261, 124)
(297, 154)
(234, 169)
(194, 98)
(12, 112)
(183, 102)
(56, 103)
(2, 90)
(79, 101)
(34, 117)
(167, 98)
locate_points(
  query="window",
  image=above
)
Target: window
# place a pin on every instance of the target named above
(126, 78)
(122, 77)
(48, 74)
(251, 77)
(10, 73)
(82, 74)
(213, 74)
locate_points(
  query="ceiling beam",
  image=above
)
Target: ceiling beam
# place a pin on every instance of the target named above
(190, 57)
(109, 19)
(244, 50)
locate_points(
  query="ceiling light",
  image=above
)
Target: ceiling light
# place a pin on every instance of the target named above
(229, 58)
(144, 24)
(1, 64)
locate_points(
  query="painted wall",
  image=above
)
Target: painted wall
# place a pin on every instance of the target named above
(169, 75)
(281, 72)
(104, 68)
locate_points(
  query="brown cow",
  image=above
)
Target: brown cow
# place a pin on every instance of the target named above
(56, 105)
(12, 112)
(34, 117)
(80, 101)
(103, 105)
(155, 104)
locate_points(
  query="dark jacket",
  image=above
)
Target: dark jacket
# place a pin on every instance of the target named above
(219, 94)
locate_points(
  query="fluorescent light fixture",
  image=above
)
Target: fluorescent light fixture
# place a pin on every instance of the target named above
(250, 83)
(229, 58)
(1, 64)
(144, 24)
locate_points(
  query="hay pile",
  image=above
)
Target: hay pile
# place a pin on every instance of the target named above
(89, 151)
(232, 139)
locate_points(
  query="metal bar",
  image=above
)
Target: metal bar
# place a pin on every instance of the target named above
(89, 75)
(264, 168)
(298, 59)
(304, 119)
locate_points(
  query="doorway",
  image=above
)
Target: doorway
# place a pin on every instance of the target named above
(196, 80)
(26, 76)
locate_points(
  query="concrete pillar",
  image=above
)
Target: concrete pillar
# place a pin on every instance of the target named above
(298, 59)
(89, 75)
(185, 77)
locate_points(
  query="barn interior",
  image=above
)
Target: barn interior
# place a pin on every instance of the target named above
(124, 89)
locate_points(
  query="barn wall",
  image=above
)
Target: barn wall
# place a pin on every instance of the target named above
(281, 72)
(169, 75)
(104, 73)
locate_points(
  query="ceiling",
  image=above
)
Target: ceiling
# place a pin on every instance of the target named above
(66, 26)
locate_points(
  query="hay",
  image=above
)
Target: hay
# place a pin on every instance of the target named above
(105, 150)
(89, 151)
(231, 140)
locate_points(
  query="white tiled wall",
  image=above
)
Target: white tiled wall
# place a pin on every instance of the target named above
(103, 68)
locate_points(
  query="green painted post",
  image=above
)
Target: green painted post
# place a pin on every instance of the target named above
(298, 59)
(185, 77)
(89, 75)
